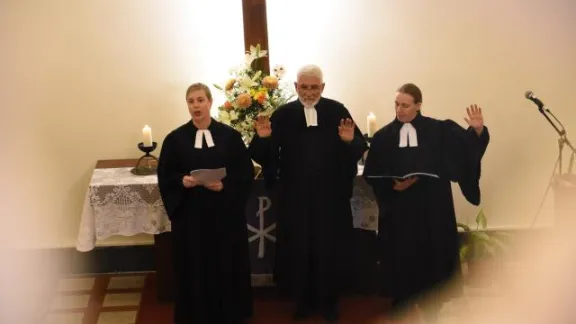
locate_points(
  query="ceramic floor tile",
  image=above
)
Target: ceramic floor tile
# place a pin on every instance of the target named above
(117, 317)
(67, 318)
(76, 284)
(70, 302)
(126, 282)
(122, 299)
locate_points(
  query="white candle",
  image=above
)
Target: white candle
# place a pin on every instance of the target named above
(147, 133)
(371, 127)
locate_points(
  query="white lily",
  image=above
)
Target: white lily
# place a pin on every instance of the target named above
(247, 82)
(257, 52)
(224, 117)
(254, 53)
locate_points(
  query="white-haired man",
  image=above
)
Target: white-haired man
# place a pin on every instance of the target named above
(310, 148)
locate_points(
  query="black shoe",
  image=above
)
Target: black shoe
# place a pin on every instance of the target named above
(302, 314)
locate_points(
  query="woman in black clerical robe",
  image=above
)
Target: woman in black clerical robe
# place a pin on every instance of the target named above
(418, 237)
(210, 239)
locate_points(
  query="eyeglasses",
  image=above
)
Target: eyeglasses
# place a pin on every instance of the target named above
(314, 87)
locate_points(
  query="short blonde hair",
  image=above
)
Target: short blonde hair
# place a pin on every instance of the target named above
(199, 86)
(310, 70)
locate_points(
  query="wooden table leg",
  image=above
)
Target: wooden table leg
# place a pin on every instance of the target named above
(164, 267)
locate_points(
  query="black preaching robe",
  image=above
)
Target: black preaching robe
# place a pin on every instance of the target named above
(210, 238)
(419, 248)
(313, 171)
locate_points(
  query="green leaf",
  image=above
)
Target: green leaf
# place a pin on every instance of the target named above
(464, 250)
(480, 239)
(497, 243)
(217, 86)
(481, 219)
(478, 251)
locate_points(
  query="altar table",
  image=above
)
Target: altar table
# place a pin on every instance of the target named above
(120, 203)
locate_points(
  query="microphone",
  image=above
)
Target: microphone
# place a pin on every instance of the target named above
(544, 111)
(530, 96)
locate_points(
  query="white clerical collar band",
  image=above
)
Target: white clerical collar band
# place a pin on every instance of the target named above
(408, 136)
(311, 116)
(203, 133)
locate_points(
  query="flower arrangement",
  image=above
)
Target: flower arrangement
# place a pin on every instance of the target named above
(250, 93)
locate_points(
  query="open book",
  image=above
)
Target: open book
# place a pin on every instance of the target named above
(406, 176)
(208, 175)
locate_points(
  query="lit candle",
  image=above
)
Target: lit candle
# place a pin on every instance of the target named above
(371, 121)
(147, 133)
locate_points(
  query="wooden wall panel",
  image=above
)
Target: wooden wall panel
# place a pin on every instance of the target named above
(256, 27)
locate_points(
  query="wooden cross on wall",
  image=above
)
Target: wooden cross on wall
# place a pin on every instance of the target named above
(256, 28)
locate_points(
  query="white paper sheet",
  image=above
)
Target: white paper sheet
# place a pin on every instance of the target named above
(204, 176)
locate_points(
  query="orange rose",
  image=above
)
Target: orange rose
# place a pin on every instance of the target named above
(270, 82)
(229, 84)
(244, 101)
(260, 97)
(227, 105)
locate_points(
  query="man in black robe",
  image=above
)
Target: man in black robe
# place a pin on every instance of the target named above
(419, 248)
(210, 238)
(310, 148)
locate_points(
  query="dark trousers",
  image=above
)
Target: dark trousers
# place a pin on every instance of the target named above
(317, 295)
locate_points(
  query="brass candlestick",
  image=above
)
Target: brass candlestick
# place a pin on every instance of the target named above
(147, 164)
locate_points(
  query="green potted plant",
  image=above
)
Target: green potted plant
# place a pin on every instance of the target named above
(480, 248)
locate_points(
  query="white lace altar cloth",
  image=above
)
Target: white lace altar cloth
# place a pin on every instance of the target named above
(120, 203)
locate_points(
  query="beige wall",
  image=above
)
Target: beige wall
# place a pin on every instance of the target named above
(486, 52)
(81, 78)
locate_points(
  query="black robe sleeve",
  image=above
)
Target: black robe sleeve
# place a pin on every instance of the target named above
(239, 171)
(170, 177)
(354, 150)
(266, 152)
(351, 153)
(464, 151)
(378, 162)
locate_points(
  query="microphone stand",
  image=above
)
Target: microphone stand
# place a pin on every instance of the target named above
(562, 140)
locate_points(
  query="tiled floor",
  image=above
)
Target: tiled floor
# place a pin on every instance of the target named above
(131, 299)
(102, 299)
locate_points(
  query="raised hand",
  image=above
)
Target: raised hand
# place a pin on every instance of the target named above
(401, 185)
(263, 126)
(346, 130)
(214, 186)
(188, 181)
(475, 118)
